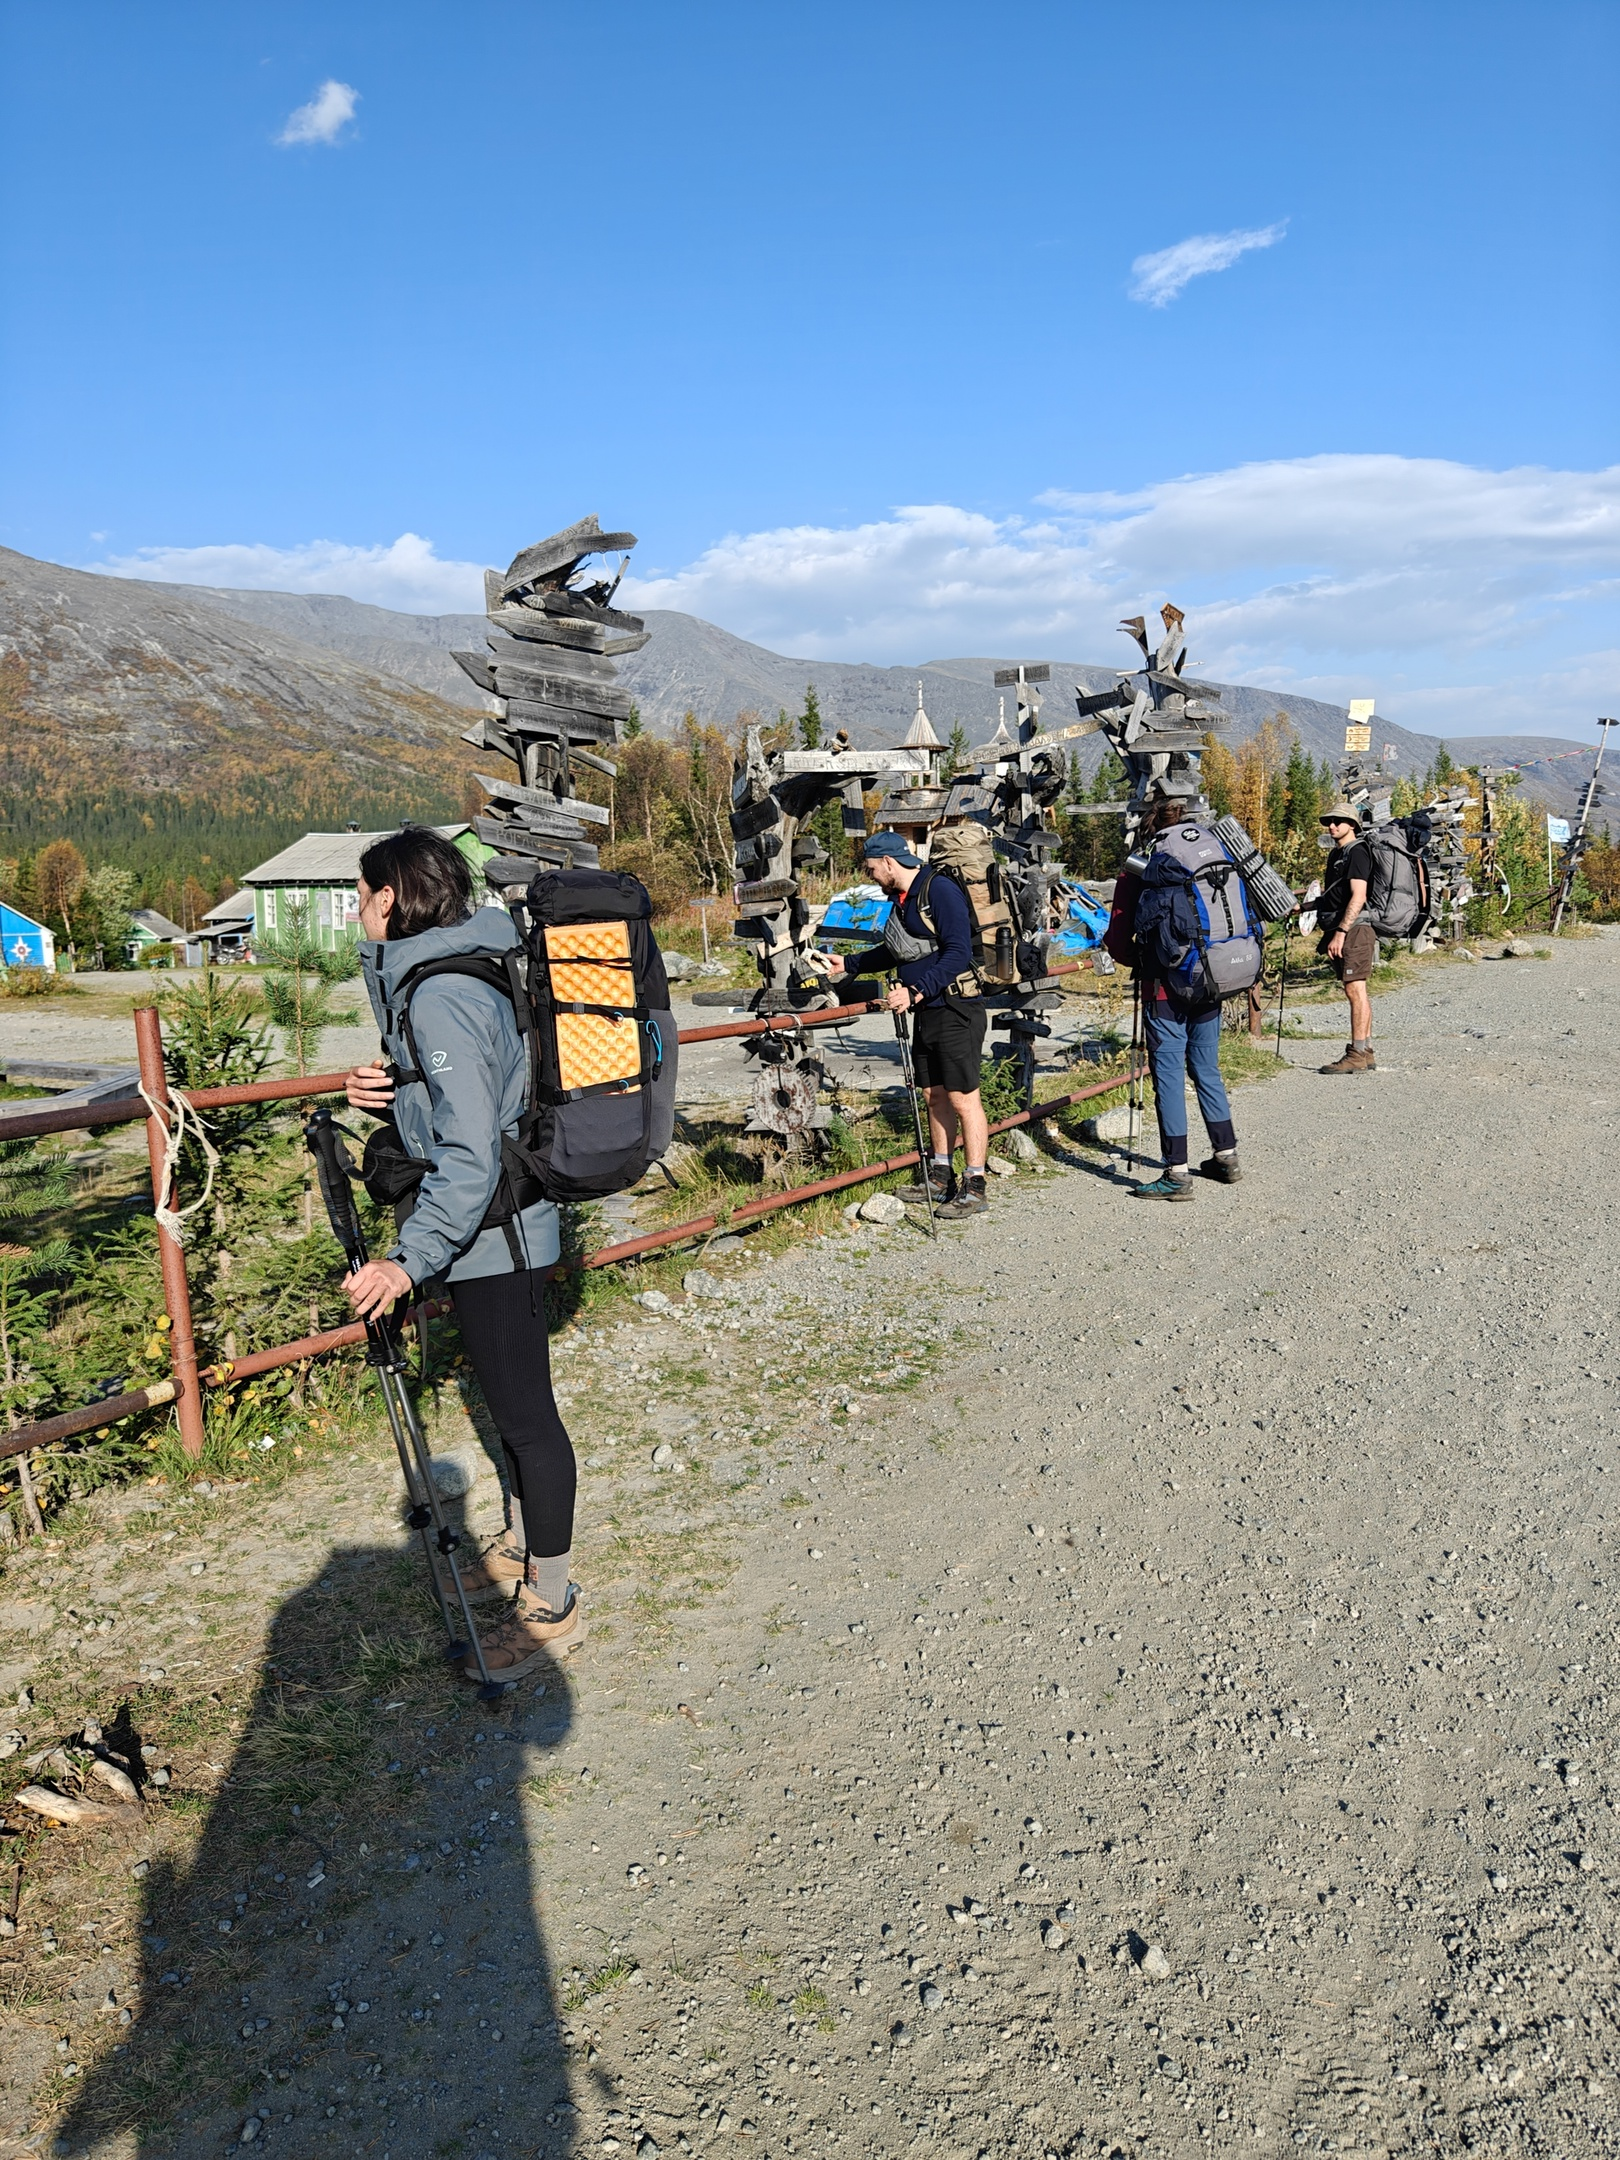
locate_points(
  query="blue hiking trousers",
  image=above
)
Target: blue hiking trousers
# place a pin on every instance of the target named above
(1177, 1041)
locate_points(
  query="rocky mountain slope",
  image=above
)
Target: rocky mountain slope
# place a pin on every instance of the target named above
(324, 705)
(117, 684)
(694, 665)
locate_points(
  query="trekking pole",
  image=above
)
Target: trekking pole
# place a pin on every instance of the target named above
(902, 1035)
(1135, 1094)
(385, 1354)
(1282, 979)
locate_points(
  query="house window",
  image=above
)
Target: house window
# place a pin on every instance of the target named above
(323, 910)
(269, 898)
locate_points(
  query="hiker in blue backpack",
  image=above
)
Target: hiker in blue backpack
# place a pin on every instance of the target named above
(1181, 976)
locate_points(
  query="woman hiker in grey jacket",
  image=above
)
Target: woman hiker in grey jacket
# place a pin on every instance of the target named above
(453, 1101)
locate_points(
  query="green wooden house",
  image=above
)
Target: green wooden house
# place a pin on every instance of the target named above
(321, 874)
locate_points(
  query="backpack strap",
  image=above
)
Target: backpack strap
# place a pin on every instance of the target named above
(969, 983)
(516, 1187)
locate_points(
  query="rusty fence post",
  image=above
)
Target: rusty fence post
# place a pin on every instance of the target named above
(176, 1289)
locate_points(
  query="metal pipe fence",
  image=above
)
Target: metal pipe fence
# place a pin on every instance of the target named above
(186, 1387)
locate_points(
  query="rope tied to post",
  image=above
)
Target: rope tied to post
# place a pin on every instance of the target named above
(179, 1119)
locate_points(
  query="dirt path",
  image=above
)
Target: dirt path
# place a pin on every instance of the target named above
(1105, 1588)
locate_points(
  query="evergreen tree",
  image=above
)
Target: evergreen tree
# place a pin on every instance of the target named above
(956, 751)
(634, 725)
(810, 719)
(1303, 801)
(1109, 782)
(302, 976)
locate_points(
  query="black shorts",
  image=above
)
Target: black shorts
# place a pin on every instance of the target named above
(947, 1043)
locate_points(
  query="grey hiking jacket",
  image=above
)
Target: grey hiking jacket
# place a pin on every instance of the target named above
(472, 1057)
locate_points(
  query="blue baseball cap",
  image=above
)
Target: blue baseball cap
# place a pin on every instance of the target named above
(888, 843)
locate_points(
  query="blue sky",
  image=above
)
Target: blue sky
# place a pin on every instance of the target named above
(833, 306)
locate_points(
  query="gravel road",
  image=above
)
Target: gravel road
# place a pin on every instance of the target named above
(1112, 1681)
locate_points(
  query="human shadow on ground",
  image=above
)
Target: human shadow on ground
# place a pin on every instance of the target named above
(348, 1958)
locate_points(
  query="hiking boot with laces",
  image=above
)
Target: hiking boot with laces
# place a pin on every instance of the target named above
(939, 1186)
(1353, 1061)
(971, 1200)
(495, 1573)
(529, 1634)
(1165, 1187)
(1222, 1169)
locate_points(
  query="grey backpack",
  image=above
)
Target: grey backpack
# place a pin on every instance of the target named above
(1398, 889)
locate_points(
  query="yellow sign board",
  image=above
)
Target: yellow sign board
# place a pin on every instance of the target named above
(1357, 739)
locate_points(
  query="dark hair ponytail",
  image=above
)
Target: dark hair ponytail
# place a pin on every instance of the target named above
(431, 881)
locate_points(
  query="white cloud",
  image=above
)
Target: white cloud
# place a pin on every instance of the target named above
(406, 574)
(1427, 583)
(1465, 600)
(1156, 279)
(324, 118)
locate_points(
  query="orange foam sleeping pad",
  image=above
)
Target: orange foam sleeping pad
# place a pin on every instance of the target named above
(589, 964)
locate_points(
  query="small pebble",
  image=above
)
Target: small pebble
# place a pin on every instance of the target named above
(662, 1455)
(1155, 1963)
(929, 1996)
(1053, 1937)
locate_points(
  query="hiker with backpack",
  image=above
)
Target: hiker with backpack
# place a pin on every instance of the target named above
(1182, 923)
(928, 942)
(517, 1071)
(1375, 885)
(1349, 943)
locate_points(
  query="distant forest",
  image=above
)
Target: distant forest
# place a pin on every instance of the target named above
(168, 840)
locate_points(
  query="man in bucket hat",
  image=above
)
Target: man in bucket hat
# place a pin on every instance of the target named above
(1349, 944)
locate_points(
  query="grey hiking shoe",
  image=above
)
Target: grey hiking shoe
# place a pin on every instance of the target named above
(940, 1190)
(970, 1200)
(1222, 1170)
(1165, 1187)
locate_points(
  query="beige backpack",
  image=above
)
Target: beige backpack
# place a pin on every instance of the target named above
(964, 853)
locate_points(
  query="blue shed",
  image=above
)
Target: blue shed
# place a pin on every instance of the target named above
(24, 942)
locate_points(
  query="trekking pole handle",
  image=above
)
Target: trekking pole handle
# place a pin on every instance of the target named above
(323, 1136)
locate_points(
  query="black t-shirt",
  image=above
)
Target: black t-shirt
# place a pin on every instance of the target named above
(1345, 863)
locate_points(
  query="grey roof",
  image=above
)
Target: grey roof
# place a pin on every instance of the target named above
(159, 925)
(237, 908)
(325, 858)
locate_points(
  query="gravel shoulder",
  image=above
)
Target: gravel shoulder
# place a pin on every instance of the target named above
(1116, 1680)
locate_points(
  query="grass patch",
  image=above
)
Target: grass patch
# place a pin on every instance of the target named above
(599, 1982)
(759, 1997)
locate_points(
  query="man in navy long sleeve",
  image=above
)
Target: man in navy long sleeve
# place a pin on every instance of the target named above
(929, 945)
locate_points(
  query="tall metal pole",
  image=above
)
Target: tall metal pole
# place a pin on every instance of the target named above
(1575, 846)
(176, 1288)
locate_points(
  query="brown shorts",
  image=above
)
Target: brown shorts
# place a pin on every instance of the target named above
(1360, 955)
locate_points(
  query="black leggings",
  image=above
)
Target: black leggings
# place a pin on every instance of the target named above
(503, 1326)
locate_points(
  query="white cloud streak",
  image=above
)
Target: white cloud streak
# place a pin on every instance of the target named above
(1424, 581)
(324, 118)
(406, 574)
(1157, 279)
(1467, 601)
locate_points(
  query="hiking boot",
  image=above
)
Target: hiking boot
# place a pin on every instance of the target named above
(529, 1635)
(495, 1573)
(1353, 1061)
(941, 1190)
(1223, 1169)
(971, 1200)
(1165, 1187)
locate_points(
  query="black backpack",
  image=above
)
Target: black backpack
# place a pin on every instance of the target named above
(591, 1001)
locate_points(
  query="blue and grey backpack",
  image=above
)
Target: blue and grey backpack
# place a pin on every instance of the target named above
(1196, 927)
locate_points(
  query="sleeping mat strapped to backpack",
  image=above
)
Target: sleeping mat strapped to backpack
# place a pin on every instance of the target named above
(1195, 926)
